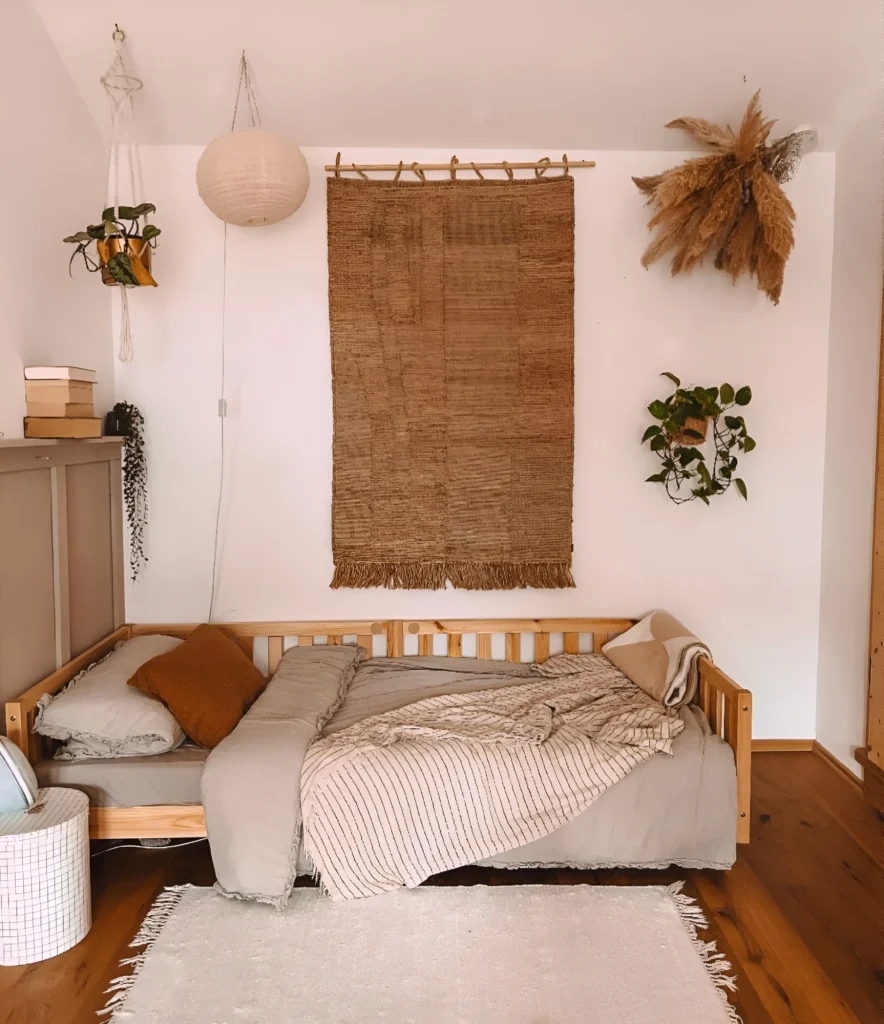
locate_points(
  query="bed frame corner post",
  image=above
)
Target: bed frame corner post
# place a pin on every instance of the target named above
(733, 723)
(742, 744)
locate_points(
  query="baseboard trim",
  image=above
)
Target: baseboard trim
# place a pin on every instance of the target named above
(841, 769)
(807, 746)
(759, 746)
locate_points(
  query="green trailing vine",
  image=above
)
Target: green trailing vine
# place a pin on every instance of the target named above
(681, 426)
(130, 423)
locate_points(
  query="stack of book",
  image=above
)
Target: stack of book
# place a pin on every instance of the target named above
(60, 402)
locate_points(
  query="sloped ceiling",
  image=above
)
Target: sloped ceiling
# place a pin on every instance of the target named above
(485, 73)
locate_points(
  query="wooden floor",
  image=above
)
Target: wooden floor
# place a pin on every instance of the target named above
(800, 915)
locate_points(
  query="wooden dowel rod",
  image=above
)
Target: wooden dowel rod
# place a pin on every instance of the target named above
(465, 167)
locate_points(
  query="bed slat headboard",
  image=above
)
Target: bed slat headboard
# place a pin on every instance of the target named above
(404, 637)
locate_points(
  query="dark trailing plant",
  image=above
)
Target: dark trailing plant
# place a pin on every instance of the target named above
(680, 428)
(130, 424)
(117, 222)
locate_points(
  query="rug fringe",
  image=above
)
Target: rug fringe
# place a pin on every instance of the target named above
(463, 575)
(716, 964)
(151, 927)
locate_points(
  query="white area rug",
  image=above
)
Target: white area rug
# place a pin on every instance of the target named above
(530, 954)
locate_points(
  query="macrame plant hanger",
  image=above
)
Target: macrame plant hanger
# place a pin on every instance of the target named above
(120, 87)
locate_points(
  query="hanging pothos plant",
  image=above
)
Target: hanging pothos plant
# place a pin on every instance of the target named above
(130, 425)
(681, 426)
(122, 245)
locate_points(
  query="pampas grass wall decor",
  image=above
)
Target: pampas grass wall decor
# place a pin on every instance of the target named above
(728, 203)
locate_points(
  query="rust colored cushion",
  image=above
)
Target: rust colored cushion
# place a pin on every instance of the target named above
(208, 683)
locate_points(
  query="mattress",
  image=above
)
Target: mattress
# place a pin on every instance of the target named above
(170, 778)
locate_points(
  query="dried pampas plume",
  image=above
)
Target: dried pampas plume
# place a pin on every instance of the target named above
(729, 203)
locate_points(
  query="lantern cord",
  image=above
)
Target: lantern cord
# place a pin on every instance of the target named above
(245, 80)
(222, 413)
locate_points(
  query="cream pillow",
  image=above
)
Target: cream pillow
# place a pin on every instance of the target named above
(661, 657)
(99, 715)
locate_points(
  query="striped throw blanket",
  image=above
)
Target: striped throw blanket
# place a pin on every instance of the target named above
(451, 780)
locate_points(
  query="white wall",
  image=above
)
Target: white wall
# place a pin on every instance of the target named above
(502, 73)
(851, 435)
(744, 576)
(52, 177)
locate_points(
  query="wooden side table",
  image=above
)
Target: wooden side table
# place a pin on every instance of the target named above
(45, 891)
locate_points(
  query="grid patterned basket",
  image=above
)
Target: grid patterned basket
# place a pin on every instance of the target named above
(45, 894)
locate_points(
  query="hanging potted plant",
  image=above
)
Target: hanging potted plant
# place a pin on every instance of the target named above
(120, 246)
(682, 425)
(126, 420)
(123, 245)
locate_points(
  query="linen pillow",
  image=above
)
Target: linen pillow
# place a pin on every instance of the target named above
(208, 683)
(98, 715)
(661, 657)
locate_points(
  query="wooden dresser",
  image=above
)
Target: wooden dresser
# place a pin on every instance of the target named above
(61, 553)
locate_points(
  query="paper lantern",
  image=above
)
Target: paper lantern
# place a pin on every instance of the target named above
(251, 178)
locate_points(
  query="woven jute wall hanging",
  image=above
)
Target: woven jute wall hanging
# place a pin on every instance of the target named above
(452, 336)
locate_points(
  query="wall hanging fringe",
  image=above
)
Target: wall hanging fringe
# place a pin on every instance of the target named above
(454, 165)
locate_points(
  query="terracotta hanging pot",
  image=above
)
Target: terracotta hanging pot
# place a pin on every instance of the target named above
(139, 253)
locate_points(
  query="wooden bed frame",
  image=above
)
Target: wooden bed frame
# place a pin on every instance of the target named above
(727, 707)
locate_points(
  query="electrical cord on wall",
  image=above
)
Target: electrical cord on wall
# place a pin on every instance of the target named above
(222, 414)
(244, 80)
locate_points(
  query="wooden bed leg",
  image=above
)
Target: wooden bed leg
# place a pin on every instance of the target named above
(741, 723)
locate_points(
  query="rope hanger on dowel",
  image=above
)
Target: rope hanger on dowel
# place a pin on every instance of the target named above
(454, 165)
(120, 86)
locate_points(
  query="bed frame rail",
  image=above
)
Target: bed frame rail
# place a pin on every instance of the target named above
(727, 706)
(20, 712)
(728, 709)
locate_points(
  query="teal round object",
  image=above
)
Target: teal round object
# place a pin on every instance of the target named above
(18, 783)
